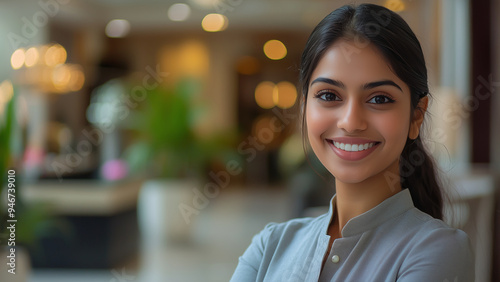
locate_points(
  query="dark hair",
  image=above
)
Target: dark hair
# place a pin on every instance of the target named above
(391, 35)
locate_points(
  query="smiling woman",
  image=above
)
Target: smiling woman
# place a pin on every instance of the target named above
(355, 101)
(365, 94)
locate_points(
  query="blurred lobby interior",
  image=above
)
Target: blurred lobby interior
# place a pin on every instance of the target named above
(152, 139)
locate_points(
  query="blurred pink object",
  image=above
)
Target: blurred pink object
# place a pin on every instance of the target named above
(114, 170)
(33, 156)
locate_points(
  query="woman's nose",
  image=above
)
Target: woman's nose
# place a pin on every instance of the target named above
(352, 117)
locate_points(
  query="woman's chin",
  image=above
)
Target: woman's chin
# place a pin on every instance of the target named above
(350, 178)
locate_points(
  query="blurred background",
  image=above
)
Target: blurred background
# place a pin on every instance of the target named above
(150, 140)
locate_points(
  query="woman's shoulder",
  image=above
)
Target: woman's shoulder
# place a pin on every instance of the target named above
(422, 231)
(427, 226)
(296, 226)
(434, 243)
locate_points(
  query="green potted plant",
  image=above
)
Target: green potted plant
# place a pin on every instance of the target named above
(167, 150)
(13, 233)
(6, 124)
(165, 145)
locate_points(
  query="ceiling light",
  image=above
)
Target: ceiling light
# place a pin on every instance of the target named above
(214, 22)
(265, 94)
(17, 59)
(287, 94)
(275, 49)
(31, 57)
(179, 12)
(117, 28)
(55, 55)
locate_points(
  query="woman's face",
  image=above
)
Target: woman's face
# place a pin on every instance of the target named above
(357, 113)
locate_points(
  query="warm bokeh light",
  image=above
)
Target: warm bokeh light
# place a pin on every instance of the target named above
(179, 12)
(214, 22)
(395, 5)
(190, 58)
(194, 58)
(264, 93)
(275, 49)
(17, 59)
(55, 55)
(61, 76)
(287, 94)
(117, 28)
(268, 94)
(77, 79)
(52, 74)
(67, 78)
(31, 57)
(248, 65)
(6, 92)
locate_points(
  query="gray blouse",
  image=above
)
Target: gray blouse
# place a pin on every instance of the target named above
(394, 241)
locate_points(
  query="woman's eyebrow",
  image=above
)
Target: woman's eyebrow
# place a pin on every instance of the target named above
(366, 86)
(374, 84)
(329, 81)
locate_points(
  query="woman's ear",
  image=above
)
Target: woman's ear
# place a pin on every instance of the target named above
(418, 118)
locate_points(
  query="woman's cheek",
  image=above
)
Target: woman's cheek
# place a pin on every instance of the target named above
(317, 122)
(393, 128)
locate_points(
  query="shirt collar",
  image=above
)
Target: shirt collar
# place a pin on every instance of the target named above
(388, 209)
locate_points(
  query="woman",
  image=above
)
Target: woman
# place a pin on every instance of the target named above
(365, 93)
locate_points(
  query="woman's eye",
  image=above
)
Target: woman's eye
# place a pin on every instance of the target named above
(328, 97)
(380, 99)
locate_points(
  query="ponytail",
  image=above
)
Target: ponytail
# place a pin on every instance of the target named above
(418, 174)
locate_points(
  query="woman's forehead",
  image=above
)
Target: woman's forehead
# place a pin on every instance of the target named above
(352, 64)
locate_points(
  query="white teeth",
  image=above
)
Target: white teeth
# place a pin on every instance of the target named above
(353, 147)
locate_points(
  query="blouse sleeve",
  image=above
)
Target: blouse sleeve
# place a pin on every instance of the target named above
(250, 262)
(444, 255)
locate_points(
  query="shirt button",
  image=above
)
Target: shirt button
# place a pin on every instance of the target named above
(335, 259)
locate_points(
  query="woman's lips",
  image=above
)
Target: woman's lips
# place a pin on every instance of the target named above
(352, 149)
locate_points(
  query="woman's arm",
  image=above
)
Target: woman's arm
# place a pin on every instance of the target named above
(250, 262)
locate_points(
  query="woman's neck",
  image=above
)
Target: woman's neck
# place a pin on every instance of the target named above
(354, 199)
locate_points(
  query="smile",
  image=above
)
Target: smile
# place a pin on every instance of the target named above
(352, 149)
